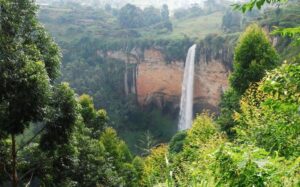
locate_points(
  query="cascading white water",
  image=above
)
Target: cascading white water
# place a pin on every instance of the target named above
(186, 103)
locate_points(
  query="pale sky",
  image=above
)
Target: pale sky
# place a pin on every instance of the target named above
(173, 4)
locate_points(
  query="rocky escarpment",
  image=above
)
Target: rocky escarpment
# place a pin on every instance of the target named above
(157, 82)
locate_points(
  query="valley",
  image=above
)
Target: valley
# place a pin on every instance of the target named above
(137, 93)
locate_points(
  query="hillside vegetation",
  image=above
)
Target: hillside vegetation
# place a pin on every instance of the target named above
(80, 21)
(64, 113)
(83, 31)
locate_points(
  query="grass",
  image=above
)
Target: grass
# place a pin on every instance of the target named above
(68, 24)
(199, 27)
(195, 27)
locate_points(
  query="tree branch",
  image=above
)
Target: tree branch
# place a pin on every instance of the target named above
(31, 139)
(29, 171)
(29, 180)
(245, 7)
(5, 170)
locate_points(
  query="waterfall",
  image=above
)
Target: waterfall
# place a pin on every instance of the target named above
(186, 102)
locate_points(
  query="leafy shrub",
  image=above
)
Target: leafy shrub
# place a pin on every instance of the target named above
(207, 159)
(251, 166)
(156, 168)
(177, 49)
(229, 104)
(192, 165)
(269, 114)
(177, 142)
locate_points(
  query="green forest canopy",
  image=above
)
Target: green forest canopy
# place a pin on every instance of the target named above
(72, 145)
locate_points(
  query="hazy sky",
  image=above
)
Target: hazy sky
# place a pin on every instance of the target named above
(173, 4)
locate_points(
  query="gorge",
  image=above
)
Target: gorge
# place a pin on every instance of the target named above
(133, 95)
(140, 86)
(156, 82)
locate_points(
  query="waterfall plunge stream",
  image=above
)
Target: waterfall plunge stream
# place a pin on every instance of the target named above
(186, 102)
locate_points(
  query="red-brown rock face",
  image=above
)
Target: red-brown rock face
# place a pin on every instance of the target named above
(159, 82)
(210, 82)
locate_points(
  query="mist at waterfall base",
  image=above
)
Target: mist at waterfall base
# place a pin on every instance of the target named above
(187, 92)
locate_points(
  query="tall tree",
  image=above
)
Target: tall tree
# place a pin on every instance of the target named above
(166, 17)
(231, 21)
(254, 55)
(165, 13)
(131, 16)
(29, 61)
(63, 115)
(151, 16)
(95, 120)
(58, 131)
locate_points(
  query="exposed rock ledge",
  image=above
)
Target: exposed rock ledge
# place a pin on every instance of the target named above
(158, 82)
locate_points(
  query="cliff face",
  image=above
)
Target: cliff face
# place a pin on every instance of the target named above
(157, 82)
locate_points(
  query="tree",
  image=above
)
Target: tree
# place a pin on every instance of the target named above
(156, 169)
(151, 16)
(108, 7)
(95, 120)
(63, 115)
(87, 109)
(115, 147)
(166, 18)
(24, 96)
(55, 140)
(191, 165)
(213, 5)
(177, 142)
(291, 32)
(194, 11)
(29, 60)
(146, 143)
(229, 103)
(91, 166)
(138, 164)
(165, 13)
(5, 155)
(29, 64)
(231, 21)
(118, 154)
(269, 114)
(253, 56)
(131, 16)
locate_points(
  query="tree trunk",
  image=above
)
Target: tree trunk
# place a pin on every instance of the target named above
(126, 76)
(14, 162)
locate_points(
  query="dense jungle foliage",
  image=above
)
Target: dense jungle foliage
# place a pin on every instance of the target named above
(54, 133)
(86, 34)
(255, 140)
